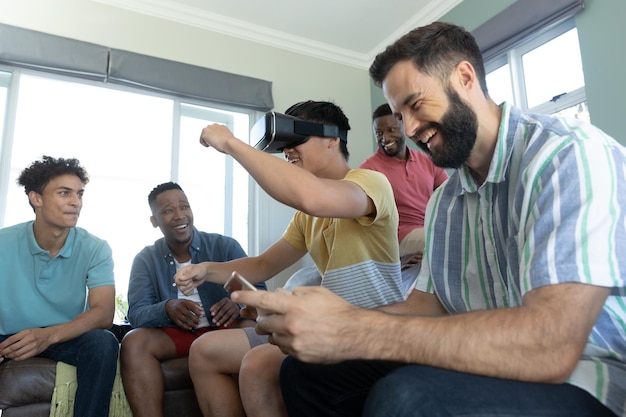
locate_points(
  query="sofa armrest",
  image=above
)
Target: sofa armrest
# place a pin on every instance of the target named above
(26, 382)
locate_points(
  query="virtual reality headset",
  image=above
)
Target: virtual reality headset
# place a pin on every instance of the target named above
(275, 131)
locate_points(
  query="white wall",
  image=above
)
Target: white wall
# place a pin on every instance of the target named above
(295, 77)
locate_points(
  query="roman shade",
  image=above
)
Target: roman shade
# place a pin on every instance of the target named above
(186, 80)
(520, 20)
(44, 52)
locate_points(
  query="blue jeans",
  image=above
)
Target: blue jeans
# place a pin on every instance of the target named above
(94, 354)
(377, 389)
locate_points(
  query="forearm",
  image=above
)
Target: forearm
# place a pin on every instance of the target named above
(286, 183)
(514, 343)
(541, 341)
(143, 314)
(95, 318)
(252, 268)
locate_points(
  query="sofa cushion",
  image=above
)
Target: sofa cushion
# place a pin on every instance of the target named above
(26, 387)
(176, 374)
(26, 382)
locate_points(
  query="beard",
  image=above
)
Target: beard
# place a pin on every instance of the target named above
(458, 128)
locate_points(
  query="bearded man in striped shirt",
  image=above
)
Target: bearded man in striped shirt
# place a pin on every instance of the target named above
(520, 305)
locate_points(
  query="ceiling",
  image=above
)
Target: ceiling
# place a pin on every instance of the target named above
(350, 32)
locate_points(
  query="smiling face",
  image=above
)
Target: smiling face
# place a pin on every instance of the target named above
(314, 155)
(60, 203)
(434, 117)
(172, 214)
(389, 136)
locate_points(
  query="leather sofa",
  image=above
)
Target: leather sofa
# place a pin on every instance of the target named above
(26, 388)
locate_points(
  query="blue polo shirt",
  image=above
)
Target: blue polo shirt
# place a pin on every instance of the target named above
(37, 291)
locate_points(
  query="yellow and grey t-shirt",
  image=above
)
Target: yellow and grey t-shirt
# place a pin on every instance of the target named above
(358, 258)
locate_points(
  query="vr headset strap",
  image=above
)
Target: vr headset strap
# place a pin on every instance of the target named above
(304, 127)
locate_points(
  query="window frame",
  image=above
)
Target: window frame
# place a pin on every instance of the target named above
(182, 107)
(513, 57)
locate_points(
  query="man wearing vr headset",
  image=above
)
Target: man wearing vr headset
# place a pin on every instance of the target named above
(346, 220)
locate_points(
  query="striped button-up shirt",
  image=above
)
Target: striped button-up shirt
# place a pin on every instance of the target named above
(552, 210)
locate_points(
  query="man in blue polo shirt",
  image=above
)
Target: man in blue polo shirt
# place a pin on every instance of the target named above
(57, 291)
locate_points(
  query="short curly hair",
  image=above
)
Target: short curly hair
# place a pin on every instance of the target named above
(382, 110)
(41, 172)
(166, 186)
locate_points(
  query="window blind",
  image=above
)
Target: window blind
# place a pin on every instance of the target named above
(520, 20)
(44, 52)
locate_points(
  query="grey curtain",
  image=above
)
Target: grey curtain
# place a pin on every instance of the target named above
(520, 20)
(185, 80)
(36, 50)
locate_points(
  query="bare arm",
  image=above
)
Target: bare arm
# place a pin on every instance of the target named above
(31, 342)
(289, 184)
(540, 341)
(255, 268)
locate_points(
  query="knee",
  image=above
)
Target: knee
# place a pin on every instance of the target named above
(146, 347)
(303, 391)
(199, 356)
(195, 352)
(210, 348)
(400, 394)
(203, 361)
(103, 343)
(98, 349)
(253, 369)
(133, 344)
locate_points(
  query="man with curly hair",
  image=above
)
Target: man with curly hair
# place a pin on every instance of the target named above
(57, 291)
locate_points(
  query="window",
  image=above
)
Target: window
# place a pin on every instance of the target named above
(129, 142)
(5, 77)
(211, 177)
(544, 74)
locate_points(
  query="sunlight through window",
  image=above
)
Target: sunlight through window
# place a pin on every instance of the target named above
(126, 142)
